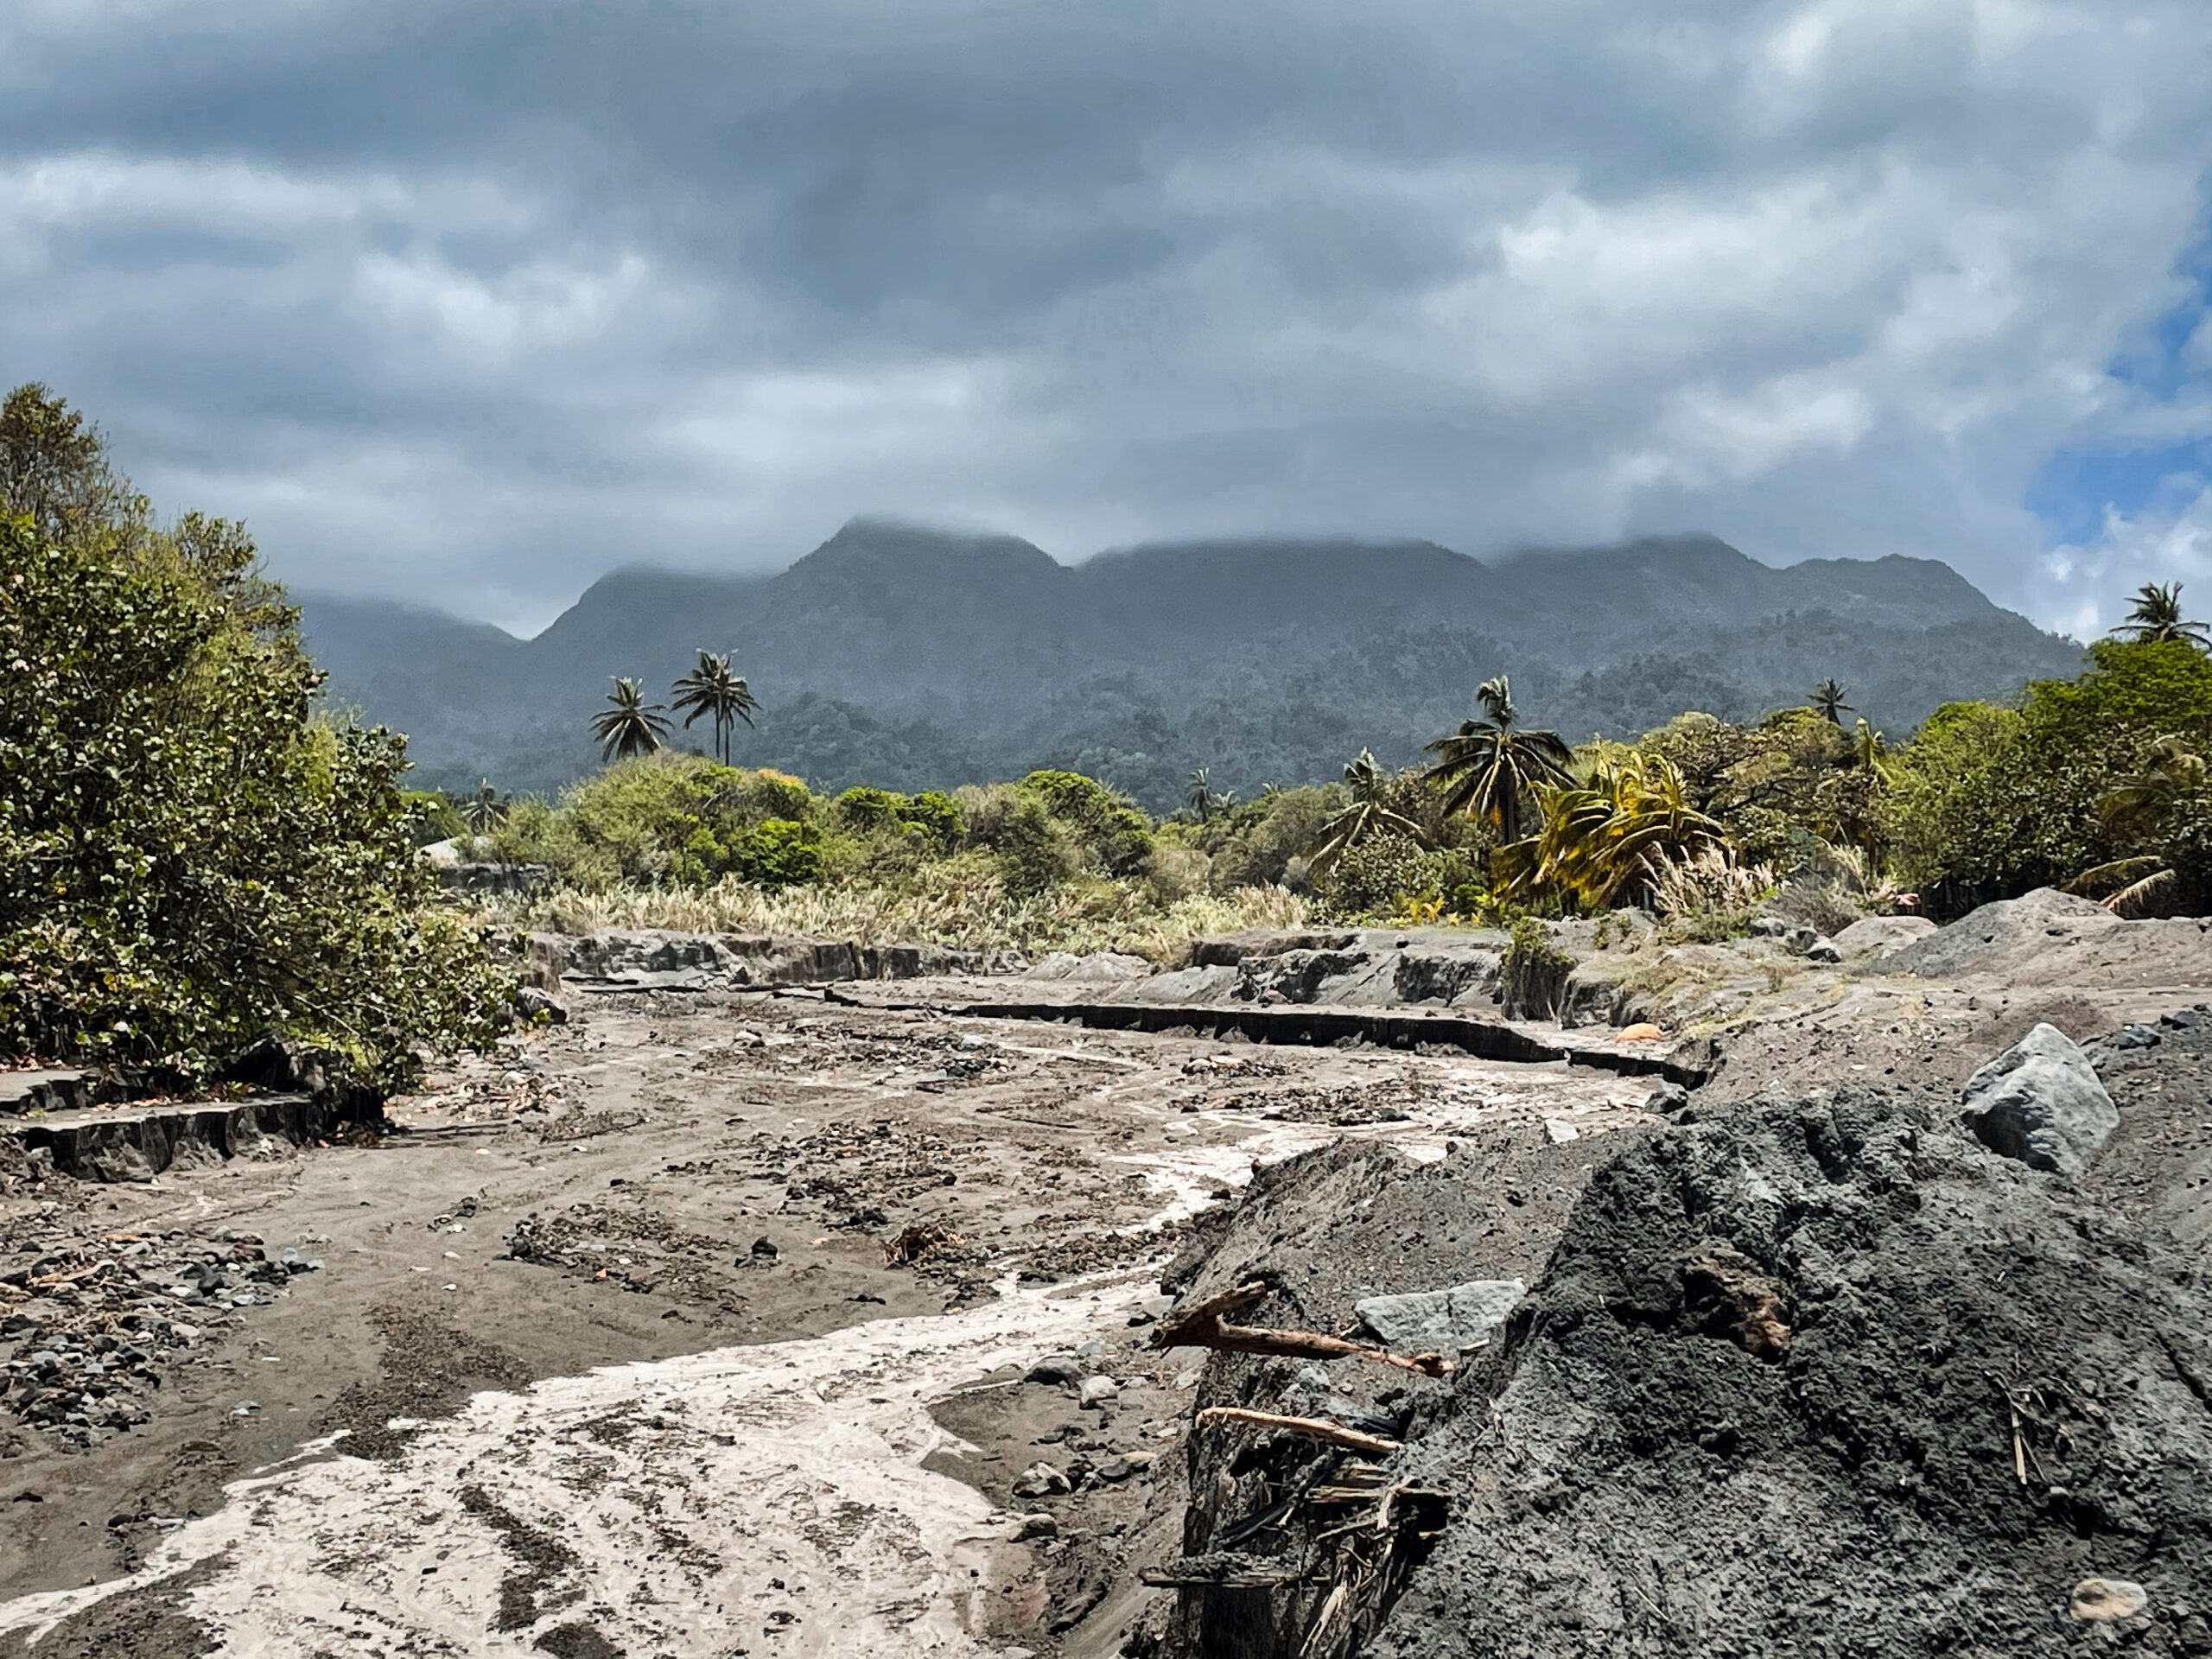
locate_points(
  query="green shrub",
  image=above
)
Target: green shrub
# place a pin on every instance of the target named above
(781, 853)
(1991, 801)
(1035, 850)
(1111, 827)
(936, 816)
(1375, 877)
(190, 860)
(864, 808)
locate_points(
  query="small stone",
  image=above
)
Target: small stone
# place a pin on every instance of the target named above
(1041, 1480)
(1036, 1524)
(1823, 951)
(1096, 1391)
(1092, 1349)
(2136, 1037)
(2105, 1599)
(763, 1249)
(1059, 1369)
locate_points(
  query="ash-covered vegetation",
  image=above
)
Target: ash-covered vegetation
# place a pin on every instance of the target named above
(193, 857)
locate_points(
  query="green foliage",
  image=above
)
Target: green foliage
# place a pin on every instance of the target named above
(668, 819)
(1374, 877)
(1990, 801)
(934, 816)
(780, 853)
(1112, 827)
(1035, 850)
(1606, 843)
(189, 859)
(434, 818)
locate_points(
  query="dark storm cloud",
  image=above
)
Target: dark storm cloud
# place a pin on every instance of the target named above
(472, 301)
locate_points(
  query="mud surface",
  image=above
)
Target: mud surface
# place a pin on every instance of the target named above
(845, 1222)
(793, 1321)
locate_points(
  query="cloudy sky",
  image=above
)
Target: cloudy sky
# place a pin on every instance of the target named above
(467, 302)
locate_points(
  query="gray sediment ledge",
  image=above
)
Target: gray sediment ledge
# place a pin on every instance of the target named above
(136, 1143)
(1491, 1040)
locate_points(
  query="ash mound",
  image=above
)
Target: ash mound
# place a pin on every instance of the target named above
(1822, 1377)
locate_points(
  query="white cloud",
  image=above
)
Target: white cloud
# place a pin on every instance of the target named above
(2088, 585)
(1826, 277)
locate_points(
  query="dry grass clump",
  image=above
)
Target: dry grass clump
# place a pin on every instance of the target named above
(975, 914)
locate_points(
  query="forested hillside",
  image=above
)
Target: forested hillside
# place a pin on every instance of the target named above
(913, 658)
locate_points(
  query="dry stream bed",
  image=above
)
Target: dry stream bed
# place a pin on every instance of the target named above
(696, 1326)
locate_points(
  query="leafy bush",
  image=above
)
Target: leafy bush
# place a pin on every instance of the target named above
(1375, 877)
(1991, 801)
(190, 860)
(781, 853)
(1111, 827)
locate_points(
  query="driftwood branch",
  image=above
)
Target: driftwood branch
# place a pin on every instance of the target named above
(1207, 1326)
(1314, 1429)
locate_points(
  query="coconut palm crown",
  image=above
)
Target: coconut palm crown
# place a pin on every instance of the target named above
(2155, 617)
(712, 690)
(629, 725)
(1366, 817)
(1491, 763)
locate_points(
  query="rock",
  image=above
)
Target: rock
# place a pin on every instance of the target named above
(1876, 934)
(1041, 1480)
(1801, 939)
(1559, 1132)
(1668, 1098)
(2182, 1019)
(1823, 951)
(2041, 1101)
(1769, 927)
(763, 1249)
(1092, 1350)
(2136, 1037)
(1440, 1320)
(1095, 1393)
(2007, 931)
(1037, 1524)
(535, 1004)
(1100, 967)
(2103, 1599)
(1060, 1370)
(1642, 1031)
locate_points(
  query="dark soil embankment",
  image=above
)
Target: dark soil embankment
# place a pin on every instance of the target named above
(1818, 1377)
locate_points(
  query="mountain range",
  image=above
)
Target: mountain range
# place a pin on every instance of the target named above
(914, 658)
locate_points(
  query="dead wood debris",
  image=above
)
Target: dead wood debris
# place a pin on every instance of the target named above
(1207, 1326)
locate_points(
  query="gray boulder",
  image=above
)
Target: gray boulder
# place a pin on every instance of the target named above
(1879, 933)
(2041, 1101)
(1438, 1320)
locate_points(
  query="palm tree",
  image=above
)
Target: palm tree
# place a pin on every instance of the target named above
(2155, 617)
(2171, 773)
(1487, 765)
(628, 725)
(1201, 799)
(1827, 700)
(486, 812)
(1609, 839)
(710, 688)
(1367, 815)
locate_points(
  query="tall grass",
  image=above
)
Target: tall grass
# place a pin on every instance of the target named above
(979, 915)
